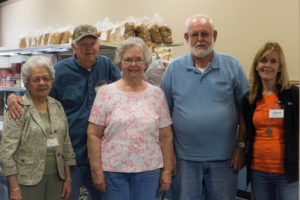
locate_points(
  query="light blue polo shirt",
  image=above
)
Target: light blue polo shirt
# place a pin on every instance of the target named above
(203, 106)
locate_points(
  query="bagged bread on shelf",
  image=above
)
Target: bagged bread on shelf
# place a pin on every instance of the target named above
(22, 42)
(105, 28)
(142, 31)
(129, 30)
(155, 34)
(117, 33)
(58, 37)
(55, 38)
(46, 38)
(40, 40)
(166, 34)
(52, 39)
(34, 41)
(108, 33)
(29, 41)
(65, 37)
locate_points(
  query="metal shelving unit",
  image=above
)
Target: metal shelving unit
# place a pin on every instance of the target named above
(66, 49)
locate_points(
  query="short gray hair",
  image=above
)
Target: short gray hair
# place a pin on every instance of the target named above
(188, 21)
(36, 61)
(130, 43)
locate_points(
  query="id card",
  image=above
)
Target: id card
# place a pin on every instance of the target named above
(52, 141)
(276, 113)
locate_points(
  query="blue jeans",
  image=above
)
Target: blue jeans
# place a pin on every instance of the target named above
(270, 186)
(132, 186)
(81, 176)
(216, 178)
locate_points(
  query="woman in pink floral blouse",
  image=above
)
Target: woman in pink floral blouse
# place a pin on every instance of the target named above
(130, 141)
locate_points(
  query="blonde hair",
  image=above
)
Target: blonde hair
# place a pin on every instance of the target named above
(282, 78)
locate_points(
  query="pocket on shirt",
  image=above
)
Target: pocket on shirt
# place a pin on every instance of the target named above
(221, 91)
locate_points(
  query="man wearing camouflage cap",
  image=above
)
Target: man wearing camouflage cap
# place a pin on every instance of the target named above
(76, 79)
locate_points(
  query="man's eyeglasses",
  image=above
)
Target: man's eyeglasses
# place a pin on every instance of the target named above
(203, 34)
(137, 61)
(37, 80)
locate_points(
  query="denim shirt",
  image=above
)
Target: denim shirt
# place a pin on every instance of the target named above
(75, 87)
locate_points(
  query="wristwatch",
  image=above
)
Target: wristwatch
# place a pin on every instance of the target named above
(242, 145)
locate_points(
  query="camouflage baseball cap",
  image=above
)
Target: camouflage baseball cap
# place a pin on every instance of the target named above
(83, 30)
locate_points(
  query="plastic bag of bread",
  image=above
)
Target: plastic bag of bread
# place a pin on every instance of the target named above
(40, 40)
(117, 33)
(166, 34)
(155, 34)
(65, 37)
(46, 37)
(142, 31)
(22, 42)
(55, 38)
(29, 41)
(105, 27)
(34, 41)
(129, 30)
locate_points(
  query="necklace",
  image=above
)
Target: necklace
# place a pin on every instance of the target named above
(269, 130)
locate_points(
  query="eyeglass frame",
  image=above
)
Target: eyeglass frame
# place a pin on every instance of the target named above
(129, 61)
(204, 34)
(37, 80)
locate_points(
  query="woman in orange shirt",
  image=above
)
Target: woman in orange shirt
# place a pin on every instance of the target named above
(271, 112)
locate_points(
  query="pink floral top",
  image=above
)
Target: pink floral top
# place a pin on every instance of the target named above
(132, 121)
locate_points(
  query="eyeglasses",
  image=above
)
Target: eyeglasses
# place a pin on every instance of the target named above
(137, 61)
(37, 80)
(204, 34)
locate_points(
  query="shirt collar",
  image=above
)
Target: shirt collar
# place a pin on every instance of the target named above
(78, 65)
(214, 63)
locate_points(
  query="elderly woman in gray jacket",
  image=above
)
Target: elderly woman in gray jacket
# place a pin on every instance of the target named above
(36, 151)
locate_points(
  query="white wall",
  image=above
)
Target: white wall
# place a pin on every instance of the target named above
(243, 25)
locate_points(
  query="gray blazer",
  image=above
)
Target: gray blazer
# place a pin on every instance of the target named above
(24, 143)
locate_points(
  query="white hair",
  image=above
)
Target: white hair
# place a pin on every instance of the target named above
(36, 61)
(188, 21)
(130, 43)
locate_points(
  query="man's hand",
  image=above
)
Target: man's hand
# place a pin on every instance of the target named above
(237, 161)
(14, 104)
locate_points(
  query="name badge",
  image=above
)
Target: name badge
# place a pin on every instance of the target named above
(52, 142)
(276, 113)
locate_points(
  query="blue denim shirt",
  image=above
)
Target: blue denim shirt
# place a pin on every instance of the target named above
(203, 106)
(75, 87)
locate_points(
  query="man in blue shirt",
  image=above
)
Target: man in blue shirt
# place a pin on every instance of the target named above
(204, 90)
(76, 80)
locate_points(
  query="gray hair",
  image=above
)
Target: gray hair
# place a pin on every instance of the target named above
(36, 61)
(188, 21)
(130, 43)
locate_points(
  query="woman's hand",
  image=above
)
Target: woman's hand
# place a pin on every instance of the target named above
(99, 181)
(67, 188)
(165, 180)
(15, 194)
